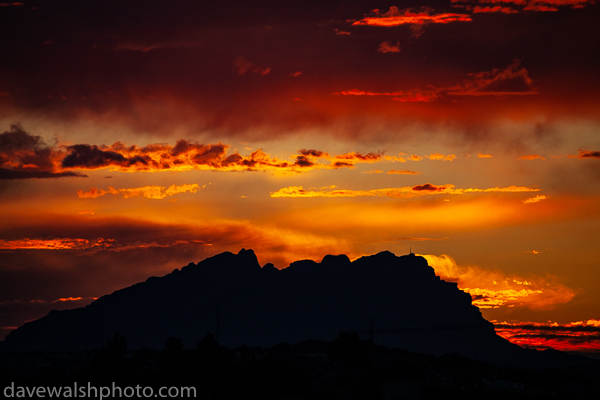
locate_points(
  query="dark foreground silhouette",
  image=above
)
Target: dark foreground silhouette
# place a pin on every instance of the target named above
(347, 367)
(395, 301)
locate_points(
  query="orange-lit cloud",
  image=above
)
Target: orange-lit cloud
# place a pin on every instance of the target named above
(588, 154)
(404, 172)
(54, 244)
(26, 156)
(373, 171)
(532, 157)
(40, 301)
(243, 67)
(438, 156)
(422, 239)
(494, 289)
(402, 192)
(389, 47)
(535, 199)
(395, 17)
(86, 244)
(574, 336)
(480, 155)
(148, 192)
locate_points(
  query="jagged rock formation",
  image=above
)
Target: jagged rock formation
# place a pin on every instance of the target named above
(265, 306)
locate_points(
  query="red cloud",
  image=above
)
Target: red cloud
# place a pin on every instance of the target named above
(515, 6)
(243, 67)
(395, 17)
(389, 47)
(513, 80)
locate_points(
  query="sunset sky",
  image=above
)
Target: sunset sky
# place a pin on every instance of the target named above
(136, 137)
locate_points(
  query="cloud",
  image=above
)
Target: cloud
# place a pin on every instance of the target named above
(54, 244)
(395, 17)
(589, 154)
(84, 156)
(19, 174)
(516, 6)
(187, 155)
(405, 96)
(373, 171)
(532, 157)
(303, 161)
(296, 74)
(481, 155)
(26, 156)
(510, 81)
(428, 187)
(312, 152)
(402, 192)
(422, 239)
(581, 336)
(243, 67)
(341, 32)
(359, 157)
(389, 47)
(443, 157)
(495, 289)
(148, 192)
(404, 172)
(495, 9)
(535, 199)
(513, 80)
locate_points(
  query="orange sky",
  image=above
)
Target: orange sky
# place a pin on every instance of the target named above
(140, 139)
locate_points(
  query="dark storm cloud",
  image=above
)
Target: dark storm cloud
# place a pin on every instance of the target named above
(17, 139)
(26, 156)
(90, 157)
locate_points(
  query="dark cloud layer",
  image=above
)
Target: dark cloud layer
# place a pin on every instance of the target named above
(26, 156)
(225, 67)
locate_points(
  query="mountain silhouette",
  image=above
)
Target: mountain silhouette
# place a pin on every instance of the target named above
(399, 298)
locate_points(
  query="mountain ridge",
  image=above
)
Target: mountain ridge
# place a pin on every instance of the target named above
(262, 306)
